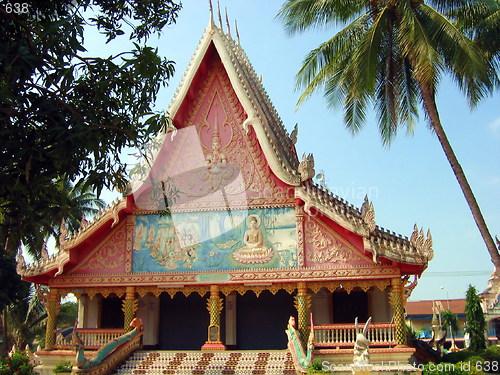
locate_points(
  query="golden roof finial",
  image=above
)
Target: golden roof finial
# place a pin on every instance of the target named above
(227, 24)
(212, 23)
(237, 32)
(220, 17)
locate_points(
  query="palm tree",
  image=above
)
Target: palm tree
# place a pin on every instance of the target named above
(393, 53)
(23, 307)
(73, 204)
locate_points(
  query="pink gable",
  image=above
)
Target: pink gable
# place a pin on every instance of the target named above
(211, 163)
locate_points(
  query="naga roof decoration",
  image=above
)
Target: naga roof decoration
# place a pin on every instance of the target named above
(279, 151)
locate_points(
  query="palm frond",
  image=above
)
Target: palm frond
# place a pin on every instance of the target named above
(416, 45)
(304, 14)
(462, 58)
(388, 91)
(330, 58)
(410, 96)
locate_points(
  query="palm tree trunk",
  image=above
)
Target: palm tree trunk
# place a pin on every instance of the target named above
(429, 100)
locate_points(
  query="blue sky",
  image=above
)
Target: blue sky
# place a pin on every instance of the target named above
(410, 182)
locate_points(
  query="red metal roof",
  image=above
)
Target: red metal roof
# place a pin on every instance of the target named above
(457, 306)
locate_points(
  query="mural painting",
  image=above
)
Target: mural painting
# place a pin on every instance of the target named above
(210, 241)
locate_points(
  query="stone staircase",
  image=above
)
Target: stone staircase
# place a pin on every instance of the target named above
(215, 363)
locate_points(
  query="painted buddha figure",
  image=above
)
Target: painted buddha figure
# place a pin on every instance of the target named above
(254, 250)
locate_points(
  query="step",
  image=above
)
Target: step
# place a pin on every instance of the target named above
(159, 362)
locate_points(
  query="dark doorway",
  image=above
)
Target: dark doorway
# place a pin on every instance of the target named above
(183, 322)
(111, 313)
(261, 321)
(348, 306)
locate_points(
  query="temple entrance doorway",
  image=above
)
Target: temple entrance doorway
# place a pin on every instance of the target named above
(349, 306)
(183, 321)
(261, 321)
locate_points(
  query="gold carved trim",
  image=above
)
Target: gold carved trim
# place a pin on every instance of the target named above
(106, 292)
(102, 255)
(299, 214)
(326, 246)
(129, 243)
(258, 289)
(349, 285)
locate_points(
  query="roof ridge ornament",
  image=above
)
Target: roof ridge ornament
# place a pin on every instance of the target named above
(237, 32)
(368, 215)
(212, 23)
(422, 243)
(227, 24)
(220, 17)
(294, 134)
(306, 167)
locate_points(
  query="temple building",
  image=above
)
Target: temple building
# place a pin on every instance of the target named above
(222, 236)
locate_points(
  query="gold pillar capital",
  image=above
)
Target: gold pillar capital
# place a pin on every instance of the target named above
(302, 287)
(396, 284)
(214, 291)
(130, 292)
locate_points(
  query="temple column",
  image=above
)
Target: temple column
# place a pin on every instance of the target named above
(303, 306)
(129, 308)
(214, 306)
(396, 300)
(53, 305)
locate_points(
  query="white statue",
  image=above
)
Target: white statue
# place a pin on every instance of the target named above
(362, 345)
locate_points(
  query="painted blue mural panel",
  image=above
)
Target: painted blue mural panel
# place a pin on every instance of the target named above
(210, 241)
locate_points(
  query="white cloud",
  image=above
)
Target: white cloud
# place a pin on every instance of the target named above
(494, 127)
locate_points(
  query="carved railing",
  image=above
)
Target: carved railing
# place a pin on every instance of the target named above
(93, 338)
(117, 356)
(344, 335)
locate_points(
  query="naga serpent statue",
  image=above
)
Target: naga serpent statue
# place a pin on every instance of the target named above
(105, 350)
(301, 358)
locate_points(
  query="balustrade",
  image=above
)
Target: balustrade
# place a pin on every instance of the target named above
(344, 335)
(93, 338)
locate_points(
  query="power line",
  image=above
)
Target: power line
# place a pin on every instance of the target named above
(456, 273)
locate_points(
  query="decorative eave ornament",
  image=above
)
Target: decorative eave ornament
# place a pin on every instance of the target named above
(377, 240)
(368, 215)
(306, 167)
(420, 242)
(67, 241)
(46, 264)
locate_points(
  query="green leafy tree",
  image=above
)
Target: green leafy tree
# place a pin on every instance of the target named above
(476, 324)
(393, 54)
(63, 111)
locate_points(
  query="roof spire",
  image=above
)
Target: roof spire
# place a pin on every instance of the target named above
(227, 24)
(237, 33)
(212, 24)
(220, 17)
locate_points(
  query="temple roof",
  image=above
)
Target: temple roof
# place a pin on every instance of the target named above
(381, 242)
(278, 146)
